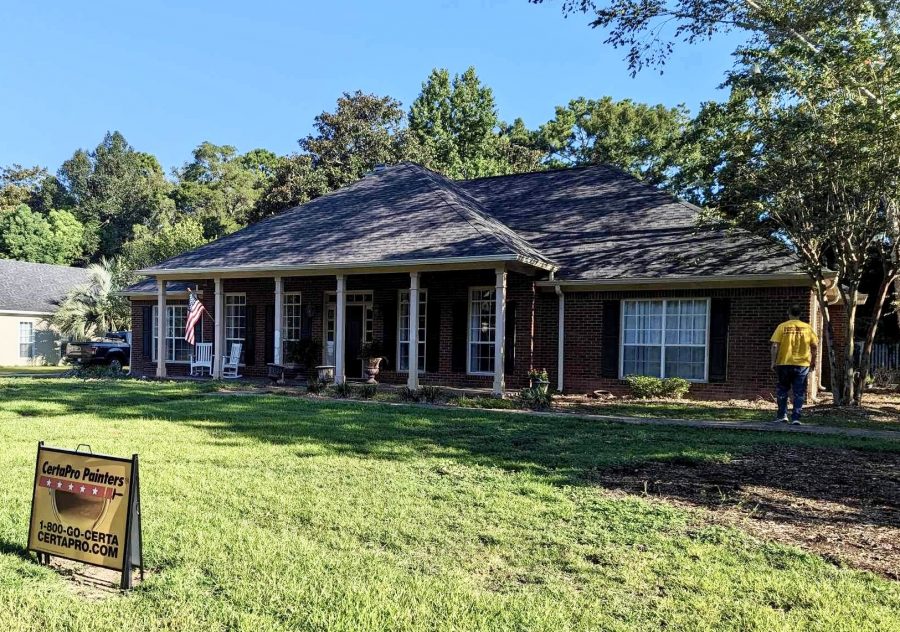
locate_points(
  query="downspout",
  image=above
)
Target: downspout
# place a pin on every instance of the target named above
(560, 345)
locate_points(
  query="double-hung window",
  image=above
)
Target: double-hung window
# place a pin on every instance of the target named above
(291, 320)
(665, 338)
(177, 348)
(26, 339)
(403, 330)
(235, 320)
(482, 329)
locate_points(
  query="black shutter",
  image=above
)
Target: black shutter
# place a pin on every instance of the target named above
(459, 336)
(719, 315)
(305, 325)
(433, 337)
(509, 362)
(250, 336)
(269, 333)
(147, 332)
(389, 332)
(609, 349)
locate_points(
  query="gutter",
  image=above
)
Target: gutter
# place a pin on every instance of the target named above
(782, 279)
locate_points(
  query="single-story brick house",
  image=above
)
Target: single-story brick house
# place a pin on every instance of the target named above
(29, 295)
(586, 272)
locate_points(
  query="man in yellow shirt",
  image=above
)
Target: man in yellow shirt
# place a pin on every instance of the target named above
(794, 346)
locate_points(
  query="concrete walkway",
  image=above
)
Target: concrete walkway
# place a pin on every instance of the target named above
(755, 426)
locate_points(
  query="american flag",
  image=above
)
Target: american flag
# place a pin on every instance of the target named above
(195, 313)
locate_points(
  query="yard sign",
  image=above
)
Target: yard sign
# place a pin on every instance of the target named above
(86, 507)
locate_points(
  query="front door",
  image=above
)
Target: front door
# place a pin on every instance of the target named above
(354, 332)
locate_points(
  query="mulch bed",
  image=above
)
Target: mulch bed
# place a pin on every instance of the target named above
(841, 504)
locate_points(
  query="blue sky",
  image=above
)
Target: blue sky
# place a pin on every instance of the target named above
(170, 75)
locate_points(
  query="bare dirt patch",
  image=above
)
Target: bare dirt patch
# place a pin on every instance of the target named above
(841, 504)
(91, 582)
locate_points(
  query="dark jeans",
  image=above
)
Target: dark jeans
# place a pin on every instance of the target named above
(791, 378)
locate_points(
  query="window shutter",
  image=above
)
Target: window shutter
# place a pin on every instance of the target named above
(509, 362)
(609, 350)
(305, 325)
(250, 336)
(269, 334)
(147, 332)
(459, 338)
(433, 337)
(719, 315)
(389, 333)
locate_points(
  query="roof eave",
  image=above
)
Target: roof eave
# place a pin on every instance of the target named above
(781, 279)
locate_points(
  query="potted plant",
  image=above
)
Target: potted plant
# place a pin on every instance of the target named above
(373, 355)
(539, 380)
(302, 355)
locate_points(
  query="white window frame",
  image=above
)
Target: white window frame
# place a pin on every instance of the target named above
(663, 345)
(351, 297)
(26, 340)
(469, 342)
(291, 310)
(171, 334)
(230, 340)
(423, 327)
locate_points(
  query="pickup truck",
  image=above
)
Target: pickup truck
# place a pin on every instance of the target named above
(114, 350)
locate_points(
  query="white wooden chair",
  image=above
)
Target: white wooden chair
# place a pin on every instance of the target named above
(201, 358)
(231, 361)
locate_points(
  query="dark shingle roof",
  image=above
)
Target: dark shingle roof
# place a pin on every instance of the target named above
(36, 287)
(404, 212)
(148, 286)
(601, 223)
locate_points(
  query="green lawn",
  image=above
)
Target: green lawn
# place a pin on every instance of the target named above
(281, 513)
(31, 370)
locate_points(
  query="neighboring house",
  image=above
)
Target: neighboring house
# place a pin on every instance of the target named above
(586, 272)
(29, 293)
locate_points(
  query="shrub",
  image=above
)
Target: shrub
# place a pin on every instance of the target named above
(344, 389)
(431, 394)
(485, 402)
(315, 387)
(368, 391)
(96, 372)
(883, 376)
(644, 386)
(542, 375)
(407, 394)
(535, 398)
(675, 387)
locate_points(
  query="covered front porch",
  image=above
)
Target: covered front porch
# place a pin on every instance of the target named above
(474, 324)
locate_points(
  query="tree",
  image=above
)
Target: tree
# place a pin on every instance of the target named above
(94, 307)
(455, 123)
(293, 182)
(29, 236)
(18, 184)
(365, 130)
(644, 140)
(150, 245)
(113, 188)
(220, 187)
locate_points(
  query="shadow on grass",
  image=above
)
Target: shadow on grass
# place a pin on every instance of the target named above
(563, 450)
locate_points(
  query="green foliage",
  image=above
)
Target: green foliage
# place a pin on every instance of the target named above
(675, 387)
(536, 398)
(538, 374)
(151, 245)
(485, 402)
(30, 236)
(306, 351)
(646, 387)
(293, 182)
(97, 372)
(316, 386)
(368, 391)
(94, 308)
(343, 390)
(431, 394)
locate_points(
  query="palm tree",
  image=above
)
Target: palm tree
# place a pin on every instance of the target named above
(94, 307)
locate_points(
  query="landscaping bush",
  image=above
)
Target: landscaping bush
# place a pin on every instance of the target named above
(484, 402)
(644, 386)
(406, 394)
(675, 387)
(368, 391)
(314, 387)
(536, 398)
(97, 372)
(345, 389)
(882, 377)
(431, 394)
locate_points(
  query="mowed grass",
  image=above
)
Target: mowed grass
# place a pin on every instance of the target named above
(280, 513)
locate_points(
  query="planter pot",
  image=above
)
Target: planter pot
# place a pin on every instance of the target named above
(542, 385)
(373, 366)
(325, 373)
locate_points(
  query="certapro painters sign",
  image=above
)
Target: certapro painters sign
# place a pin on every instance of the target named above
(86, 508)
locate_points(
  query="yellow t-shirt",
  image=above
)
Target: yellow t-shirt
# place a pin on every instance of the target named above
(794, 339)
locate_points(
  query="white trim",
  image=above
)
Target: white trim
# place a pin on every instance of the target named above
(16, 312)
(500, 333)
(277, 352)
(412, 379)
(30, 340)
(340, 317)
(400, 292)
(346, 268)
(787, 279)
(561, 338)
(469, 291)
(225, 337)
(162, 326)
(662, 357)
(218, 329)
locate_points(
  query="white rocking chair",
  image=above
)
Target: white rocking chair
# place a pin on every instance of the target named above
(201, 358)
(230, 362)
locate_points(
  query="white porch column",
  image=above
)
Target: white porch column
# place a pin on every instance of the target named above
(219, 327)
(279, 302)
(412, 380)
(500, 334)
(561, 343)
(161, 323)
(340, 312)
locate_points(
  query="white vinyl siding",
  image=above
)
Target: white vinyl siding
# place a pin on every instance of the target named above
(482, 330)
(665, 338)
(403, 330)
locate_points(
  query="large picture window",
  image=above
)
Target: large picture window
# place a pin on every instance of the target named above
(26, 339)
(235, 320)
(177, 348)
(291, 319)
(665, 338)
(403, 330)
(482, 329)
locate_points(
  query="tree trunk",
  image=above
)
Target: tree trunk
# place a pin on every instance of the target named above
(865, 357)
(849, 373)
(828, 333)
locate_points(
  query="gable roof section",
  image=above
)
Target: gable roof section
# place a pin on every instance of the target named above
(399, 214)
(600, 223)
(36, 287)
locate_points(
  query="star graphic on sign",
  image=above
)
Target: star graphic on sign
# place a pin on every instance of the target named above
(48, 482)
(59, 484)
(94, 491)
(71, 487)
(82, 489)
